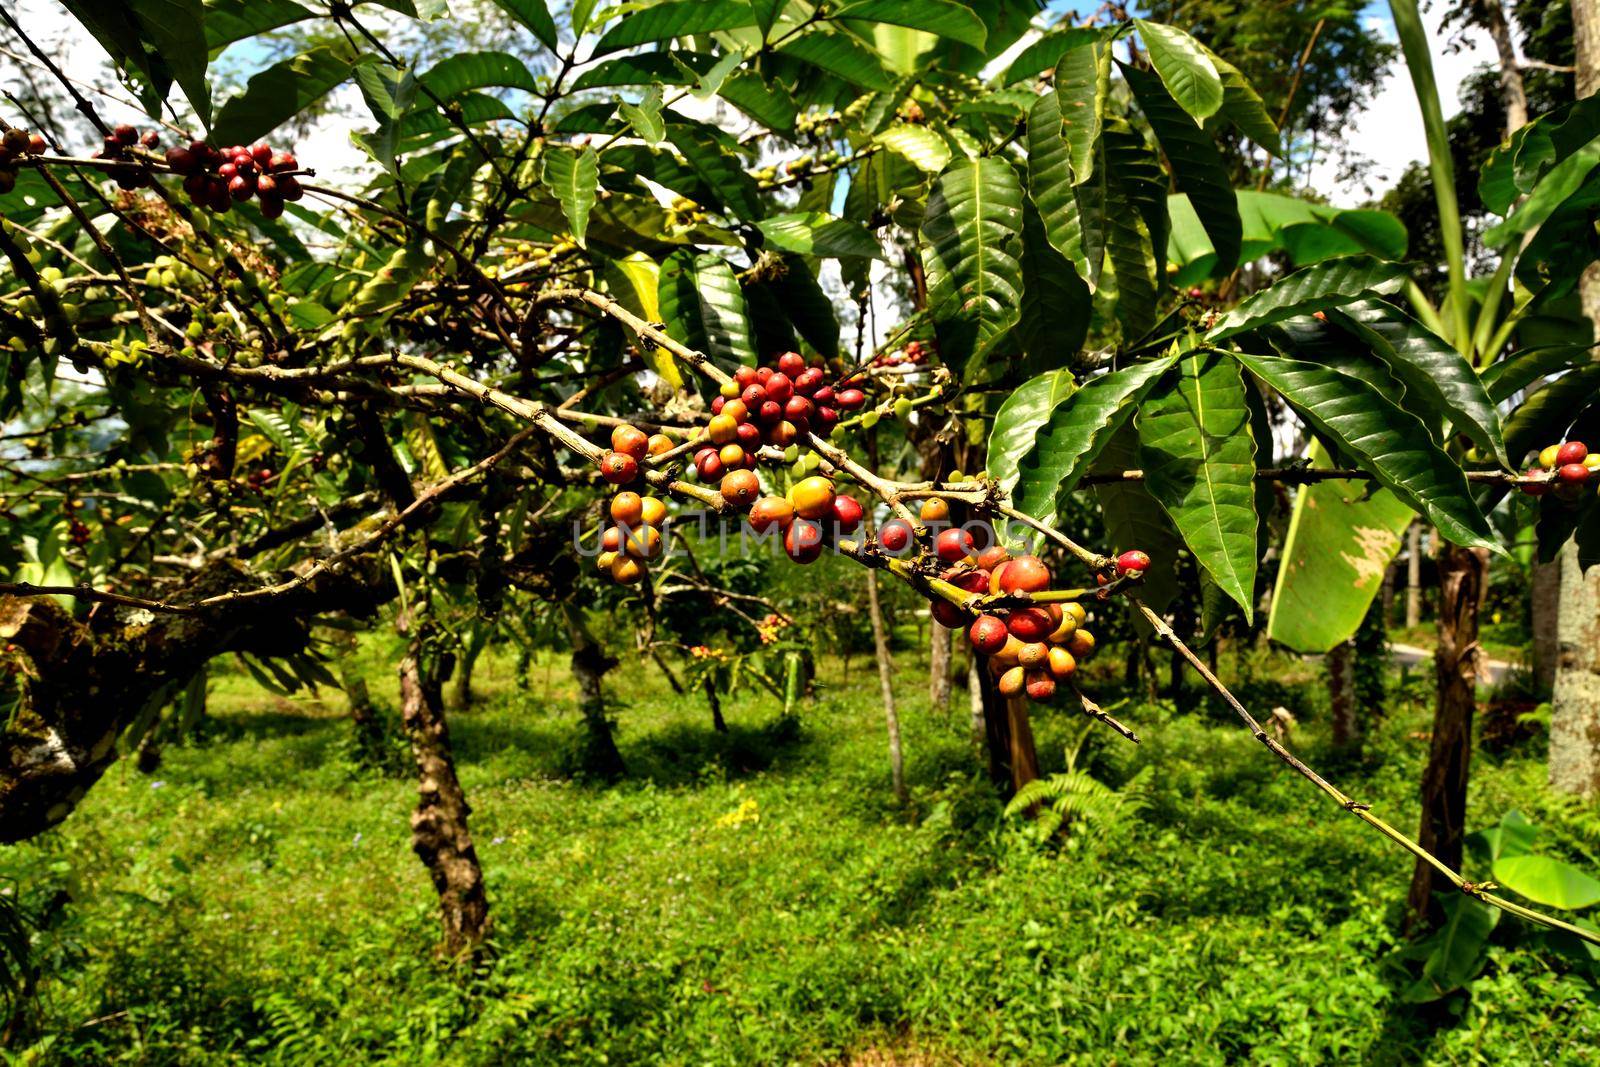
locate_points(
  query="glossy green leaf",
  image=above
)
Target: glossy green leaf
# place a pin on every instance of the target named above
(838, 53)
(704, 308)
(1133, 519)
(1388, 442)
(1069, 442)
(535, 15)
(1436, 376)
(1134, 227)
(176, 33)
(1047, 51)
(1513, 835)
(644, 118)
(1242, 106)
(392, 281)
(1272, 222)
(719, 168)
(1547, 881)
(1080, 102)
(1522, 369)
(1197, 166)
(815, 233)
(1547, 412)
(1185, 68)
(389, 93)
(1340, 541)
(1327, 344)
(1017, 423)
(917, 145)
(1315, 288)
(279, 93)
(809, 308)
(938, 17)
(1053, 191)
(1562, 181)
(970, 243)
(478, 70)
(644, 68)
(770, 104)
(228, 21)
(1199, 459)
(573, 176)
(675, 18)
(1457, 950)
(1056, 304)
(1515, 167)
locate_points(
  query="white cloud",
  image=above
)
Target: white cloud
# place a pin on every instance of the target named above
(1389, 132)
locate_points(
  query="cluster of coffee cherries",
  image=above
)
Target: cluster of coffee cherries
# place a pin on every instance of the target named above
(776, 404)
(635, 538)
(217, 178)
(913, 354)
(1566, 467)
(804, 517)
(630, 446)
(119, 144)
(16, 142)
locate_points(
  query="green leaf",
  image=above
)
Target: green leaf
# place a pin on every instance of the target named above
(1323, 285)
(478, 70)
(1562, 181)
(1069, 442)
(1185, 68)
(1134, 222)
(938, 17)
(1458, 949)
(676, 18)
(175, 30)
(719, 168)
(573, 176)
(1513, 835)
(917, 145)
(769, 103)
(1050, 182)
(1047, 51)
(703, 307)
(841, 54)
(1521, 369)
(1546, 881)
(815, 233)
(535, 15)
(1199, 459)
(1387, 441)
(279, 93)
(1053, 319)
(635, 281)
(392, 281)
(810, 310)
(1133, 519)
(1197, 166)
(389, 93)
(1339, 544)
(1017, 423)
(645, 68)
(645, 116)
(1545, 415)
(1433, 372)
(1273, 222)
(1242, 106)
(1080, 102)
(969, 255)
(228, 21)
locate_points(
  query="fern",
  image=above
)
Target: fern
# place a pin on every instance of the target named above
(1076, 796)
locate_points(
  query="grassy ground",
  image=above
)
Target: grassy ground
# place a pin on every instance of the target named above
(758, 898)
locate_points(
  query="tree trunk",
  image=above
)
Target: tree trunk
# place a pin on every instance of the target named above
(1342, 692)
(464, 666)
(1512, 95)
(1413, 575)
(1545, 604)
(363, 716)
(1575, 697)
(439, 833)
(880, 642)
(718, 723)
(589, 667)
(975, 697)
(1013, 759)
(1575, 719)
(1463, 577)
(939, 668)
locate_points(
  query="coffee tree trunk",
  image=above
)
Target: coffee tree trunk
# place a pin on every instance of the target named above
(1463, 575)
(1413, 575)
(589, 667)
(975, 698)
(439, 833)
(880, 643)
(1340, 664)
(1575, 695)
(1545, 608)
(939, 667)
(718, 723)
(476, 641)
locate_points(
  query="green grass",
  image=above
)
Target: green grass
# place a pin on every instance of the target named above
(256, 900)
